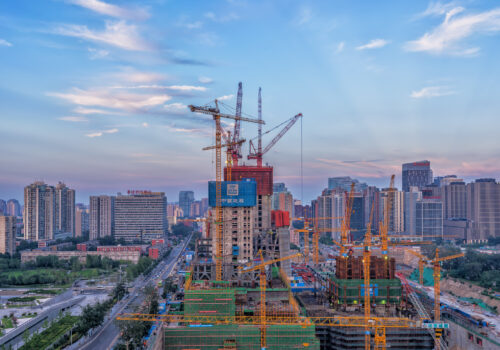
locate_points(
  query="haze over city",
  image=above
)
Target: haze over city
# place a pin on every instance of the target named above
(96, 94)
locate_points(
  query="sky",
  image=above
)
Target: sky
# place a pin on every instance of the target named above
(95, 92)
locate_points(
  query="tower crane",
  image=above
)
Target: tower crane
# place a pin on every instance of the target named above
(366, 275)
(217, 115)
(259, 152)
(229, 152)
(384, 225)
(436, 262)
(236, 151)
(263, 284)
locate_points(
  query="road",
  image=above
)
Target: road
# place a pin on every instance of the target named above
(106, 337)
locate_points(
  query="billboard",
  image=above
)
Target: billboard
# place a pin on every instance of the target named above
(234, 193)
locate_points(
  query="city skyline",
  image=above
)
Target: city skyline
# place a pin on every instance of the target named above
(100, 90)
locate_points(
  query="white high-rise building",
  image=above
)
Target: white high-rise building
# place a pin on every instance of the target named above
(140, 216)
(39, 212)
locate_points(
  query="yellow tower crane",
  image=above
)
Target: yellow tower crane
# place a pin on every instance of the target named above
(217, 115)
(366, 275)
(263, 284)
(436, 262)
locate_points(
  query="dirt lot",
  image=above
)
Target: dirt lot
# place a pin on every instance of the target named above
(467, 290)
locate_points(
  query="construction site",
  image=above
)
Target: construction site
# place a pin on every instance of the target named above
(245, 288)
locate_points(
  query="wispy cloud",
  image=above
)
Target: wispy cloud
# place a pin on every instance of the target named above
(221, 18)
(436, 8)
(305, 16)
(340, 47)
(141, 155)
(447, 38)
(432, 91)
(132, 75)
(75, 119)
(205, 80)
(374, 44)
(118, 34)
(96, 54)
(83, 110)
(100, 133)
(4, 42)
(176, 108)
(104, 8)
(225, 97)
(107, 98)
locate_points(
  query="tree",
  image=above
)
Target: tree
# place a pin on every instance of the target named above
(151, 299)
(132, 332)
(119, 291)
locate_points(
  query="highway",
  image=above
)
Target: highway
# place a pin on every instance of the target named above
(106, 337)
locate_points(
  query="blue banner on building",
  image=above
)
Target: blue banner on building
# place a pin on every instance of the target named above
(234, 193)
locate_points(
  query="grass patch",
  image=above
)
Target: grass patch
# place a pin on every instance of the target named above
(22, 299)
(7, 322)
(43, 291)
(51, 334)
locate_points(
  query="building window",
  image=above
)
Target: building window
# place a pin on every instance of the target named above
(470, 336)
(479, 341)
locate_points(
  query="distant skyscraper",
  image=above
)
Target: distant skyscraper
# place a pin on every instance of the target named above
(410, 210)
(7, 234)
(13, 208)
(65, 209)
(429, 218)
(101, 216)
(344, 183)
(417, 174)
(3, 207)
(483, 208)
(140, 216)
(282, 199)
(204, 206)
(39, 211)
(186, 198)
(454, 199)
(82, 218)
(396, 214)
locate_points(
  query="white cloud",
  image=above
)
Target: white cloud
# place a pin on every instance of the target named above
(82, 110)
(145, 125)
(340, 47)
(225, 97)
(447, 37)
(97, 53)
(108, 99)
(94, 134)
(119, 34)
(4, 42)
(100, 133)
(432, 91)
(141, 155)
(205, 80)
(221, 18)
(132, 75)
(74, 119)
(182, 88)
(176, 108)
(437, 8)
(104, 8)
(374, 44)
(186, 88)
(305, 16)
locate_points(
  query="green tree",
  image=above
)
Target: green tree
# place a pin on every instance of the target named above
(119, 291)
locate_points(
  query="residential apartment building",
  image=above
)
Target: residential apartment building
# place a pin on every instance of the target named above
(39, 212)
(7, 234)
(429, 219)
(13, 208)
(101, 216)
(454, 197)
(64, 209)
(82, 220)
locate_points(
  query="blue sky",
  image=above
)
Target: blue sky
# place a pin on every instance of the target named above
(94, 92)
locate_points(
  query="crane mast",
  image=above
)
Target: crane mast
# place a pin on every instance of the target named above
(236, 152)
(217, 115)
